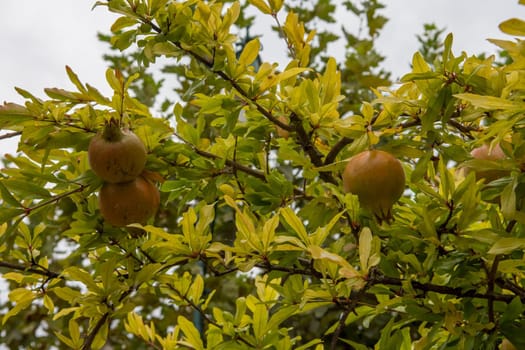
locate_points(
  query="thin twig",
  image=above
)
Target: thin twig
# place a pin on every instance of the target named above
(53, 199)
(236, 165)
(465, 130)
(284, 36)
(10, 134)
(39, 271)
(91, 337)
(340, 326)
(458, 292)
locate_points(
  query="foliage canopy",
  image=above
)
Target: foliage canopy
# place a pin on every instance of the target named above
(256, 245)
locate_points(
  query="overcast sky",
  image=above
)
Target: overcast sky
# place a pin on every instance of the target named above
(39, 38)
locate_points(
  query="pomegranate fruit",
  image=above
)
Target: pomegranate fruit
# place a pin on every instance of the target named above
(378, 179)
(116, 155)
(130, 202)
(485, 153)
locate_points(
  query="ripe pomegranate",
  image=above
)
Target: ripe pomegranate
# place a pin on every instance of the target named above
(130, 202)
(116, 155)
(485, 153)
(378, 179)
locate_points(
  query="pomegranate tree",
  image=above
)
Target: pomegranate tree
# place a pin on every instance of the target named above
(377, 178)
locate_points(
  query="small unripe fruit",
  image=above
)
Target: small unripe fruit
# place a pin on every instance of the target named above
(130, 202)
(116, 155)
(378, 179)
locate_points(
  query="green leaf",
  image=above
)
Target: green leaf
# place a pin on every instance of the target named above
(508, 199)
(268, 233)
(68, 342)
(26, 188)
(262, 6)
(295, 223)
(365, 248)
(23, 299)
(260, 321)
(276, 5)
(122, 22)
(507, 245)
(271, 80)
(513, 26)
(67, 294)
(490, 102)
(280, 316)
(73, 77)
(191, 333)
(12, 114)
(7, 214)
(74, 333)
(115, 80)
(77, 274)
(249, 53)
(48, 303)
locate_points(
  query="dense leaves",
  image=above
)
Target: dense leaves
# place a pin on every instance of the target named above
(255, 243)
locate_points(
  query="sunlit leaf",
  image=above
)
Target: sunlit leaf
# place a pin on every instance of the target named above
(513, 26)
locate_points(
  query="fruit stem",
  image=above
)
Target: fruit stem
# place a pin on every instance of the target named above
(112, 131)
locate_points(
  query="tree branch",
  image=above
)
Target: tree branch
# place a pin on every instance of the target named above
(338, 147)
(340, 326)
(32, 269)
(236, 165)
(428, 287)
(91, 337)
(306, 143)
(54, 199)
(10, 134)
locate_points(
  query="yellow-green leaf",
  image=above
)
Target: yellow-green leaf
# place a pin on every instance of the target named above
(490, 102)
(250, 52)
(48, 303)
(513, 26)
(268, 233)
(506, 245)
(260, 320)
(273, 79)
(23, 298)
(191, 333)
(365, 247)
(295, 223)
(262, 6)
(276, 5)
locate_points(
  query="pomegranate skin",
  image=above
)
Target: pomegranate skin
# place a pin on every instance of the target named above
(130, 202)
(378, 179)
(117, 155)
(485, 153)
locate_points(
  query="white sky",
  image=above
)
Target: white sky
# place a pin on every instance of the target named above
(39, 38)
